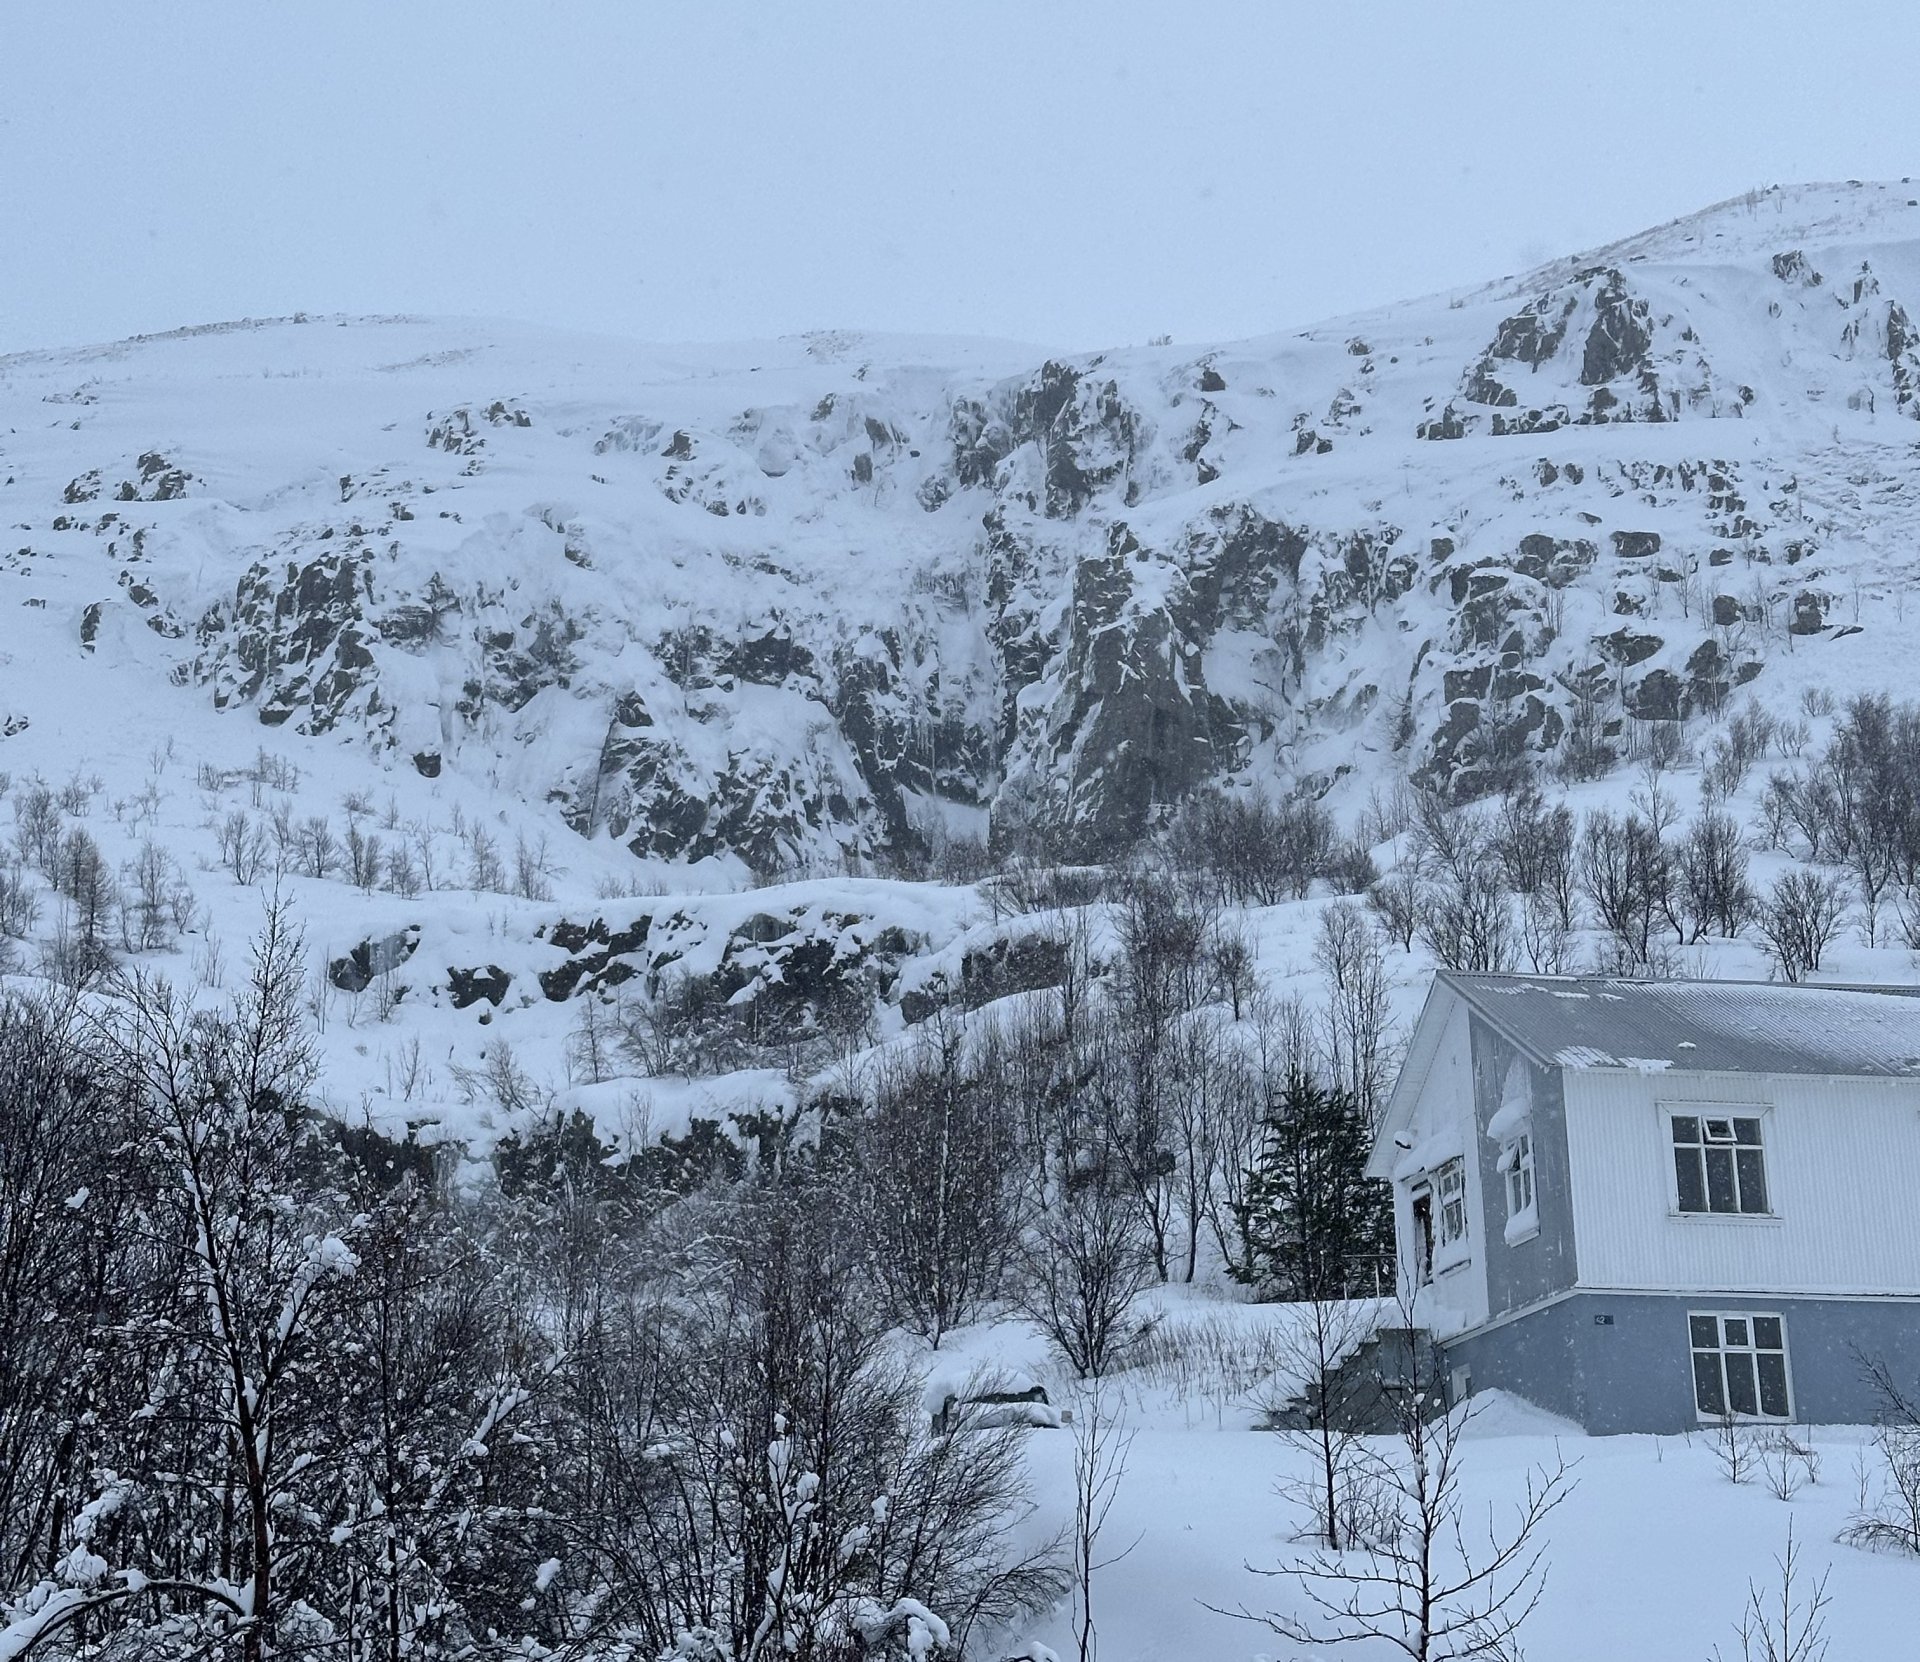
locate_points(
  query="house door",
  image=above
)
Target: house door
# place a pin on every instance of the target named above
(1423, 1235)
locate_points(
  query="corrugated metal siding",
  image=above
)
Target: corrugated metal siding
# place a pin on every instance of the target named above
(1843, 1172)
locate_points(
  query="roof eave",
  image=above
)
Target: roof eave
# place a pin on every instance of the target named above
(1412, 1079)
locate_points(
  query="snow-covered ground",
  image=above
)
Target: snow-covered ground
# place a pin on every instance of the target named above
(1651, 1555)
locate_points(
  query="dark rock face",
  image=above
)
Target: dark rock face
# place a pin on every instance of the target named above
(468, 986)
(1016, 966)
(1628, 372)
(1617, 343)
(1534, 335)
(297, 643)
(1099, 584)
(1090, 707)
(1086, 432)
(156, 480)
(788, 974)
(1903, 358)
(600, 955)
(1626, 647)
(1659, 695)
(1138, 725)
(358, 970)
(1809, 612)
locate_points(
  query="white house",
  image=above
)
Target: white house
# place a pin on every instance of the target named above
(1647, 1204)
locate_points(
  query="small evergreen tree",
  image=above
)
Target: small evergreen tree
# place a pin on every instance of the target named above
(1310, 1218)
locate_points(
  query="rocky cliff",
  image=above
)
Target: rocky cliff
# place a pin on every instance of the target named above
(770, 606)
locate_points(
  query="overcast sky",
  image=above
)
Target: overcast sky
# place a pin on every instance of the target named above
(1075, 175)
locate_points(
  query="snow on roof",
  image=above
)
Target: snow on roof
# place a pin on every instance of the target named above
(1702, 1026)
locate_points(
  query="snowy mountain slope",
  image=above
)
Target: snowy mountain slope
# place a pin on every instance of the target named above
(686, 615)
(775, 604)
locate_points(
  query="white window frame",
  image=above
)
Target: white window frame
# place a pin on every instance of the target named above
(1520, 1191)
(1728, 1111)
(1449, 1193)
(1523, 1190)
(1452, 1193)
(1751, 1348)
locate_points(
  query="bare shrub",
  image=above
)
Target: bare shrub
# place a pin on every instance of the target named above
(1799, 921)
(1397, 900)
(1545, 936)
(274, 773)
(77, 794)
(1712, 868)
(1231, 956)
(484, 870)
(83, 877)
(687, 1028)
(1888, 1516)
(403, 871)
(1787, 1624)
(1347, 950)
(146, 916)
(1586, 752)
(316, 847)
(1788, 1464)
(1626, 873)
(1385, 816)
(366, 858)
(19, 904)
(933, 1175)
(1737, 1446)
(1084, 1263)
(762, 1480)
(1350, 869)
(1102, 1442)
(1320, 1409)
(243, 847)
(593, 1041)
(1258, 852)
(1748, 735)
(1423, 1583)
(532, 869)
(1466, 921)
(37, 822)
(1534, 844)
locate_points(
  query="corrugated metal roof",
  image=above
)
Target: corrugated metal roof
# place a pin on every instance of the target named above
(1708, 1026)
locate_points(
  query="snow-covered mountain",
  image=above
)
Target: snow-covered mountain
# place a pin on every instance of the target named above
(779, 603)
(698, 614)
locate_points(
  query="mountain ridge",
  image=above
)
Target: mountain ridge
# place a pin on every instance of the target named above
(777, 604)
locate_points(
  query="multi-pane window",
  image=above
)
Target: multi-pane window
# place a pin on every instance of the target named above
(1450, 1182)
(1740, 1367)
(1516, 1160)
(1719, 1164)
